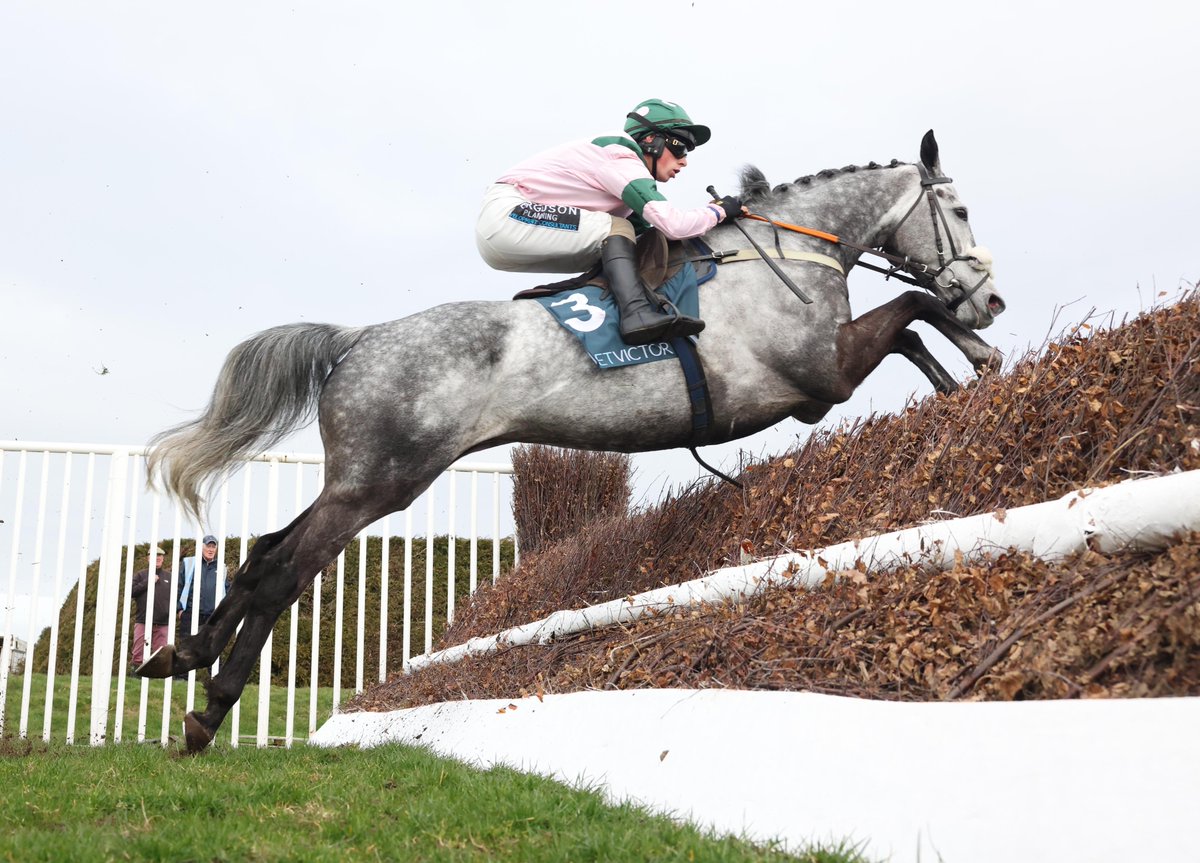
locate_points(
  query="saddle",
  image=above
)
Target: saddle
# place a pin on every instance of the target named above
(658, 259)
(658, 262)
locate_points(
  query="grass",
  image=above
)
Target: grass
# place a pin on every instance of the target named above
(155, 696)
(129, 801)
(135, 802)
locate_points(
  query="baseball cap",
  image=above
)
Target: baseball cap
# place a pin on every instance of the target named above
(209, 539)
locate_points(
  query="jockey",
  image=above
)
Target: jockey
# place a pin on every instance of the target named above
(564, 209)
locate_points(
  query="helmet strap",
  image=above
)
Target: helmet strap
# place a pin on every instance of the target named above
(657, 144)
(655, 148)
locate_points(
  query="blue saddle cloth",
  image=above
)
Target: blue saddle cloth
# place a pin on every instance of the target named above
(590, 314)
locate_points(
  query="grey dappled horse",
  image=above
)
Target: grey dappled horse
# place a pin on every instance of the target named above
(399, 402)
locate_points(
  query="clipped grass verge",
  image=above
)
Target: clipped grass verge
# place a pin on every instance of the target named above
(132, 802)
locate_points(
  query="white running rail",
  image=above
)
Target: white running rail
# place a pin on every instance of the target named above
(92, 499)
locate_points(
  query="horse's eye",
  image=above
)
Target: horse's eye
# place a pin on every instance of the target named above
(961, 212)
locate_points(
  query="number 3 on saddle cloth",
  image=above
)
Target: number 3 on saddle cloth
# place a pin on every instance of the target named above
(584, 307)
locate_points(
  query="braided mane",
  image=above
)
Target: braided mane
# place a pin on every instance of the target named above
(755, 188)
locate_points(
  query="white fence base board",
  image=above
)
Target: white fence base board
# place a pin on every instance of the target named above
(964, 782)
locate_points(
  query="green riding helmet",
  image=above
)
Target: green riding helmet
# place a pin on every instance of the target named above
(659, 115)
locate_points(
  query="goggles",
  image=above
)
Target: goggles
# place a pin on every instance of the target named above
(678, 146)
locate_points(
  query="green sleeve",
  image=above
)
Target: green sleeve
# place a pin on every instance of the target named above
(639, 193)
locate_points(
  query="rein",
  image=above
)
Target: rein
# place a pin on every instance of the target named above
(899, 270)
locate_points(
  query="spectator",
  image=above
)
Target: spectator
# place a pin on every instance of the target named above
(209, 573)
(160, 586)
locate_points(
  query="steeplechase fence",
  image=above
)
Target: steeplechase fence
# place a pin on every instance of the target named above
(82, 515)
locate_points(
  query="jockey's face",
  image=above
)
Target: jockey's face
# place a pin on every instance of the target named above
(668, 165)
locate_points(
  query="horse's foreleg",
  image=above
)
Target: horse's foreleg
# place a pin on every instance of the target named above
(909, 345)
(865, 341)
(983, 356)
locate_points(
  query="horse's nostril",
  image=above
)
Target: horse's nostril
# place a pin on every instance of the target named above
(995, 304)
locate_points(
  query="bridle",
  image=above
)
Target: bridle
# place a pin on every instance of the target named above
(903, 268)
(937, 217)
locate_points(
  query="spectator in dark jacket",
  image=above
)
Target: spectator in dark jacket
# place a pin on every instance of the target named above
(164, 607)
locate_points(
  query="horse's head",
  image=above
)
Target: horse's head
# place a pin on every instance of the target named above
(934, 235)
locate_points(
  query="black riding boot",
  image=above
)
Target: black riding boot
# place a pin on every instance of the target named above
(641, 323)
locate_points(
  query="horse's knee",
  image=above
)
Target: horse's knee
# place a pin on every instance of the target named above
(926, 306)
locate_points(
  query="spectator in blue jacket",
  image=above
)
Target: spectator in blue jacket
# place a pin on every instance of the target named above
(204, 569)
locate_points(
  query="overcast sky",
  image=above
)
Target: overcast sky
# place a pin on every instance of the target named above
(175, 177)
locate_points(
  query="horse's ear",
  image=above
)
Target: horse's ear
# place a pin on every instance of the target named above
(929, 152)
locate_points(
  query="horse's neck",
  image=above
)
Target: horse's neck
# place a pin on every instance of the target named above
(863, 207)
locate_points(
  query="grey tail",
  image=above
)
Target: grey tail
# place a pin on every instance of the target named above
(267, 388)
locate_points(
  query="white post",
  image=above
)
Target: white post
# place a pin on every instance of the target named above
(151, 559)
(172, 588)
(495, 527)
(80, 593)
(191, 617)
(243, 545)
(360, 629)
(474, 532)
(58, 574)
(339, 597)
(429, 570)
(39, 535)
(126, 606)
(222, 536)
(264, 668)
(289, 729)
(384, 562)
(316, 633)
(107, 583)
(407, 623)
(14, 557)
(450, 532)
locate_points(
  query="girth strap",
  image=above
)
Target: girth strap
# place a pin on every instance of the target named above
(788, 255)
(701, 401)
(697, 388)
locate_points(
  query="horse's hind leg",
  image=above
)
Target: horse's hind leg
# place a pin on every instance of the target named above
(279, 577)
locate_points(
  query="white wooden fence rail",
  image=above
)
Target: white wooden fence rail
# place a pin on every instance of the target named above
(110, 516)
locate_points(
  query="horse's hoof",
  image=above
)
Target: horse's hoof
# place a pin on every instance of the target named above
(196, 735)
(992, 361)
(160, 664)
